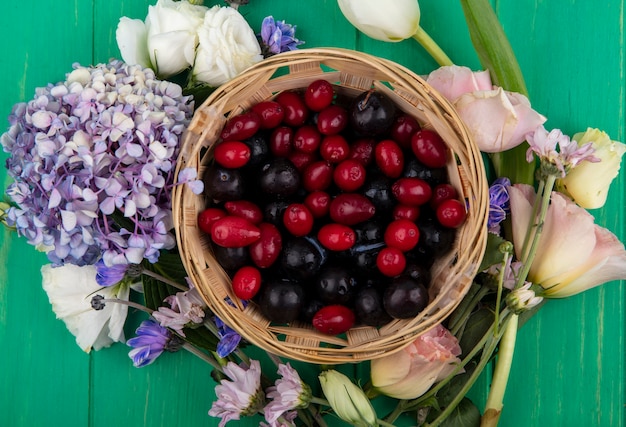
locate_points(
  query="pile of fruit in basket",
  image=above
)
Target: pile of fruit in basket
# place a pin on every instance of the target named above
(330, 210)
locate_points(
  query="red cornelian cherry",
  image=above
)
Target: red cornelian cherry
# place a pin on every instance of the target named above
(389, 158)
(231, 154)
(363, 150)
(351, 208)
(207, 217)
(317, 176)
(245, 209)
(429, 148)
(266, 250)
(402, 234)
(334, 148)
(318, 203)
(403, 129)
(411, 191)
(281, 141)
(307, 138)
(298, 219)
(296, 111)
(270, 112)
(318, 95)
(332, 120)
(301, 159)
(240, 127)
(333, 319)
(412, 213)
(442, 192)
(234, 232)
(349, 175)
(246, 282)
(451, 213)
(336, 237)
(391, 261)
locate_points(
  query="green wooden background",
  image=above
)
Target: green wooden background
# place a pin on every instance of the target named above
(569, 366)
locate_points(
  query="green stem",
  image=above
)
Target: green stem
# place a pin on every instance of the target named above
(496, 318)
(384, 423)
(531, 227)
(543, 210)
(431, 47)
(501, 374)
(164, 279)
(202, 355)
(319, 401)
(490, 347)
(465, 309)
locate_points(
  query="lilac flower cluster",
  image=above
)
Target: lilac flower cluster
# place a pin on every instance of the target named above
(93, 160)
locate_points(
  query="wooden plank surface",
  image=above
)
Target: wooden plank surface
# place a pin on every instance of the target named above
(569, 365)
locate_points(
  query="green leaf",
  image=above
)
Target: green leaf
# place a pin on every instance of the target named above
(492, 46)
(477, 325)
(466, 414)
(496, 55)
(201, 337)
(169, 266)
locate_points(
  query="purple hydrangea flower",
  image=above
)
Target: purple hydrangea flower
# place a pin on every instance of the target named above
(152, 339)
(278, 36)
(498, 203)
(93, 161)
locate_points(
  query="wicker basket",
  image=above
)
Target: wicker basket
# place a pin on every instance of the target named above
(351, 73)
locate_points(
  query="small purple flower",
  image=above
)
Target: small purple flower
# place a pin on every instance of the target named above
(152, 339)
(278, 36)
(109, 276)
(240, 396)
(288, 393)
(229, 339)
(498, 203)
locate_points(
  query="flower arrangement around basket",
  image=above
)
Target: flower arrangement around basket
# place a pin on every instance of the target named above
(111, 180)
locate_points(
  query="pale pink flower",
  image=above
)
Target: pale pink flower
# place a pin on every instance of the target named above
(558, 150)
(453, 81)
(574, 254)
(288, 393)
(496, 119)
(241, 396)
(410, 372)
(186, 309)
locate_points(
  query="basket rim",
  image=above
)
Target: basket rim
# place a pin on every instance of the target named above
(195, 139)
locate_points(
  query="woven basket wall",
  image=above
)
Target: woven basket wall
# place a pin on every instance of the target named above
(351, 73)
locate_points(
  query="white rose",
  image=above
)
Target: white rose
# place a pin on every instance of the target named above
(166, 41)
(227, 46)
(70, 289)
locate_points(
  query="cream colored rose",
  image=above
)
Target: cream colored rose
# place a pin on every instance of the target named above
(227, 46)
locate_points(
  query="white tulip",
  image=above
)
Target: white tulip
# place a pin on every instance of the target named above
(389, 21)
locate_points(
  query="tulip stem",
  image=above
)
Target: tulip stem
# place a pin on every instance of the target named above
(431, 47)
(493, 409)
(536, 230)
(490, 347)
(496, 318)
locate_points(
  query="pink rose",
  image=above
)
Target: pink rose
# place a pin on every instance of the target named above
(574, 253)
(410, 372)
(496, 119)
(453, 81)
